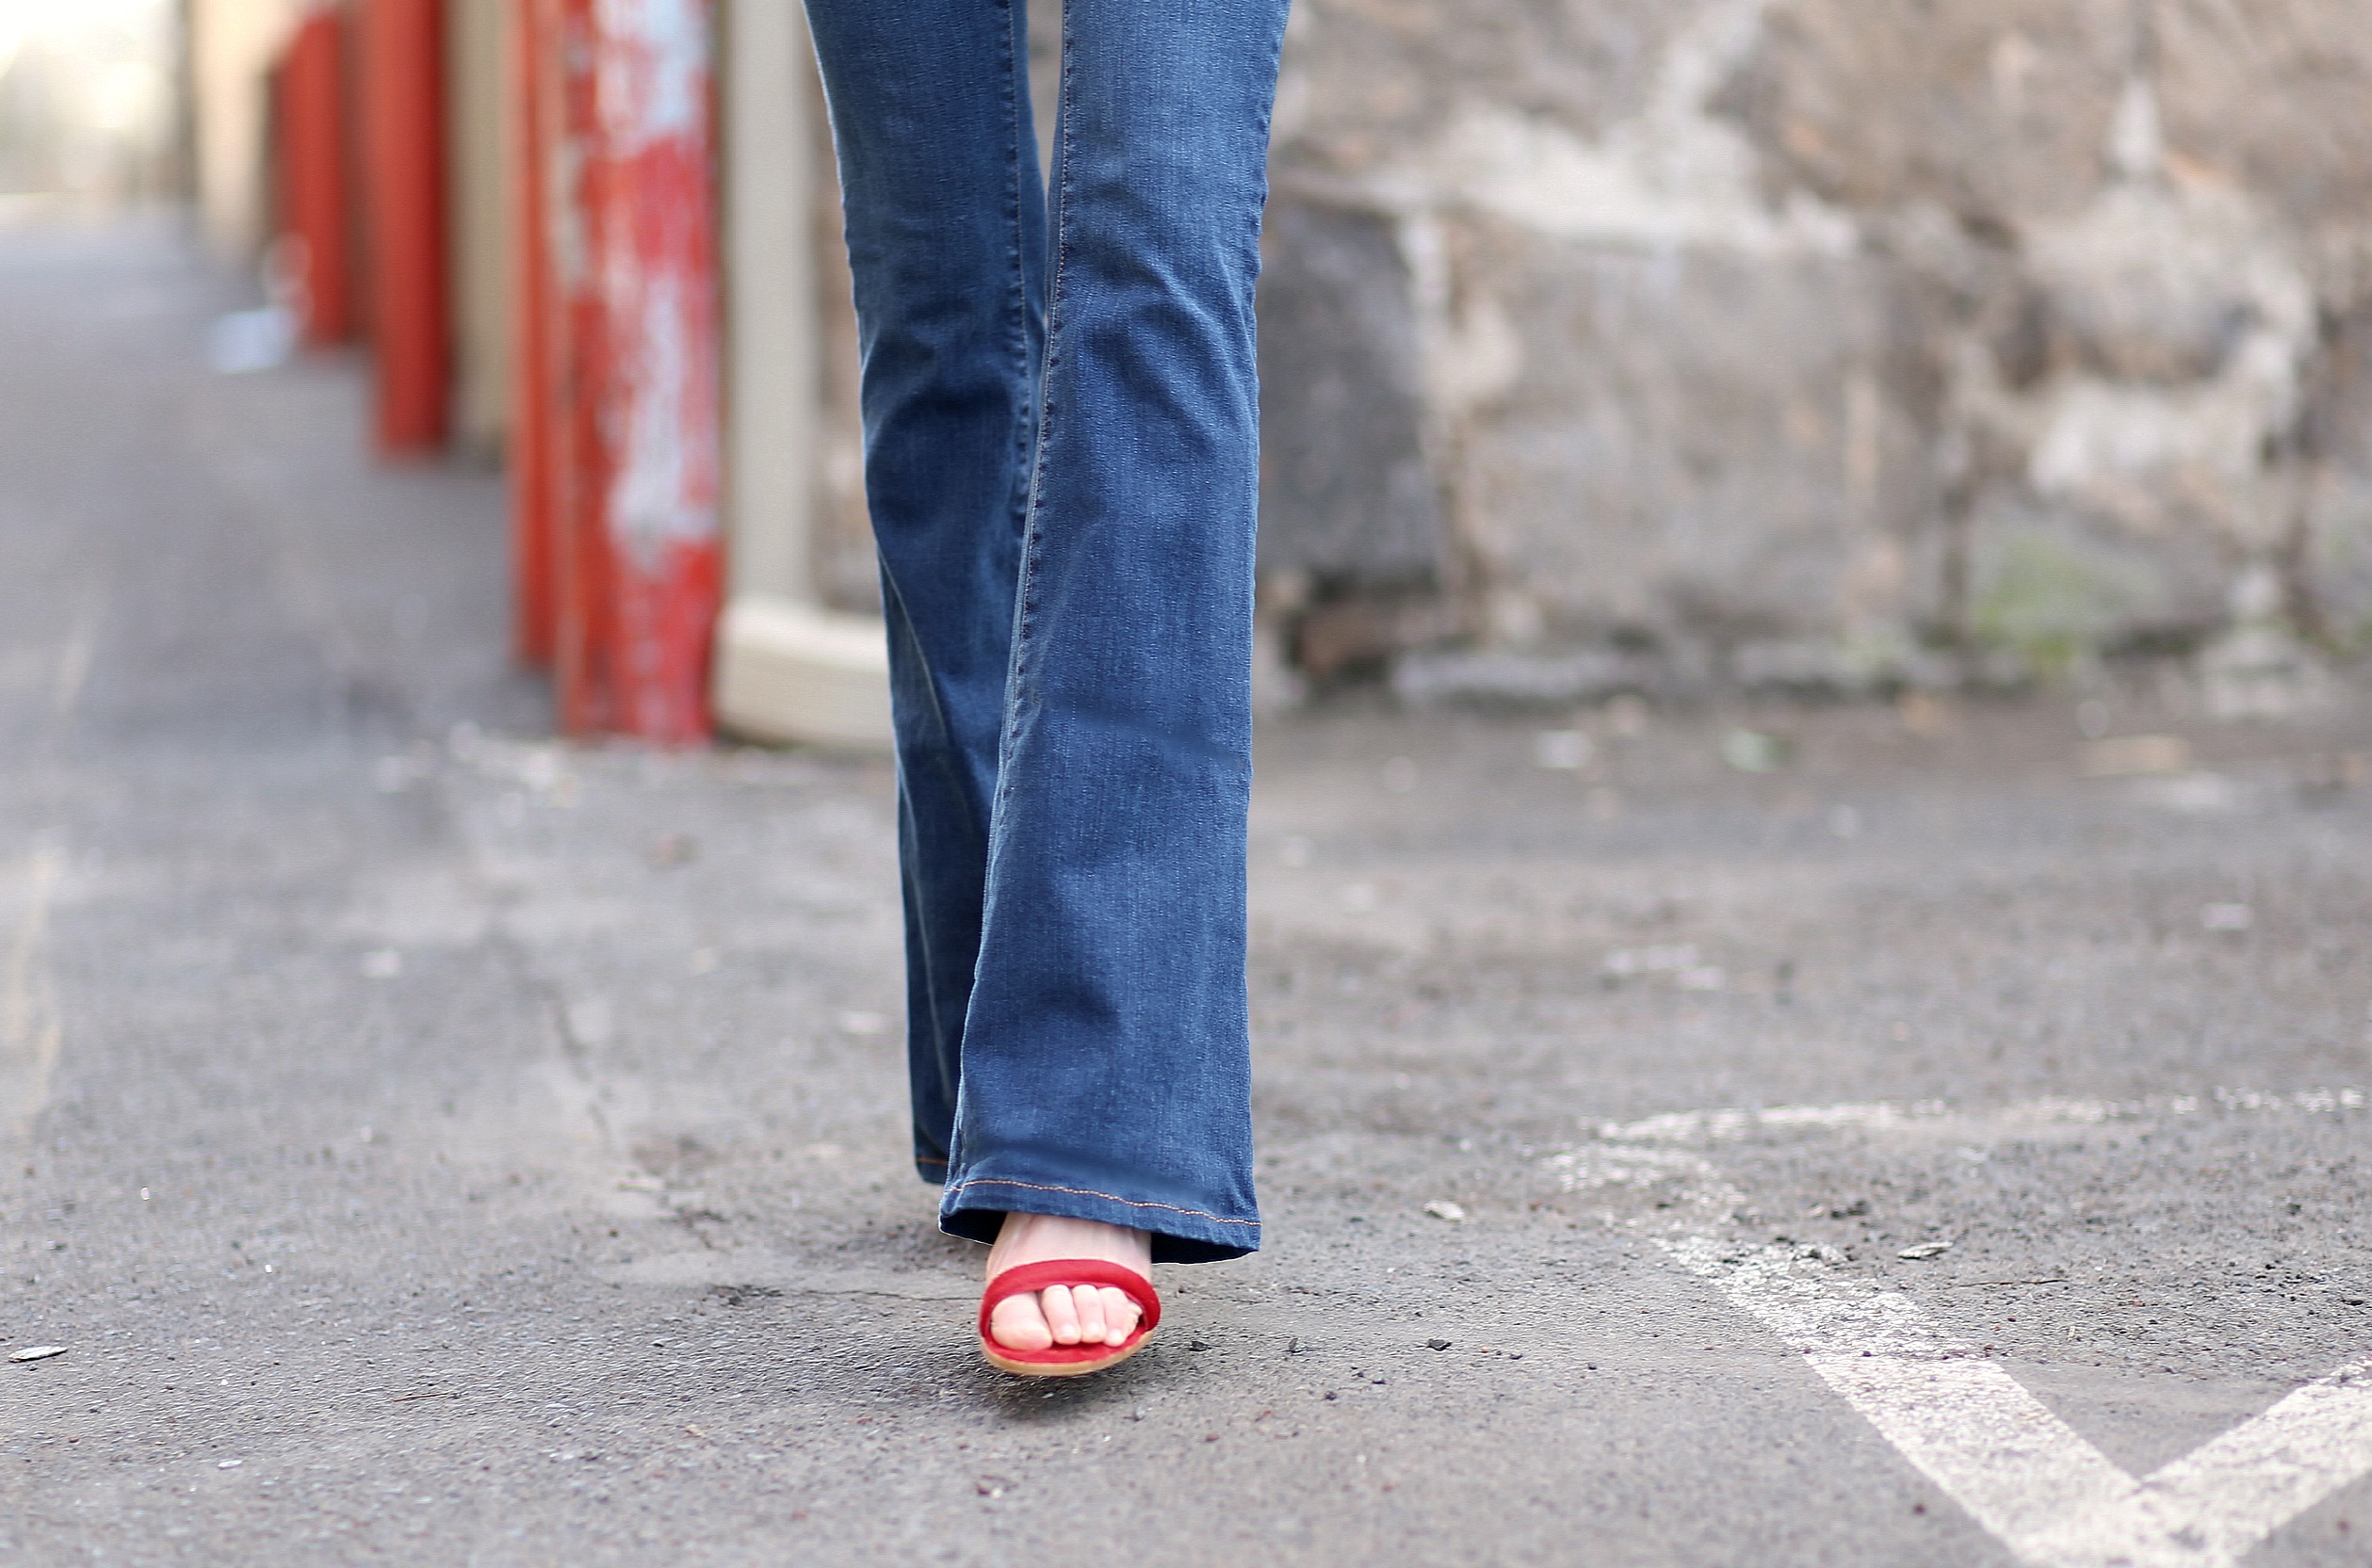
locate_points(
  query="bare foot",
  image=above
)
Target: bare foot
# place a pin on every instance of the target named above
(1063, 1314)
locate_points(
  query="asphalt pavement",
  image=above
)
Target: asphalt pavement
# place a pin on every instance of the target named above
(1862, 1134)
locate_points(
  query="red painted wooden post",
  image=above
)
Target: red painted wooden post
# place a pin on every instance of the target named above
(316, 210)
(581, 633)
(534, 438)
(403, 165)
(635, 242)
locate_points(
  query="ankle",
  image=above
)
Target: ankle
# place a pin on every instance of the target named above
(1024, 1237)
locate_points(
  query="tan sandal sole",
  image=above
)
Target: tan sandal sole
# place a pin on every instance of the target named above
(1061, 1369)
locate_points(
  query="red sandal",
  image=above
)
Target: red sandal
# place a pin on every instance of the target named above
(1067, 1361)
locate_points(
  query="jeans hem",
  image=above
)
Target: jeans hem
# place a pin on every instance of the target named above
(974, 1208)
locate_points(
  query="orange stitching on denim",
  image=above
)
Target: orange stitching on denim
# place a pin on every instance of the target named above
(1089, 1192)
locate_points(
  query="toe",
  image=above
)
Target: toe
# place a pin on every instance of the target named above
(1018, 1325)
(1088, 1302)
(1120, 1315)
(1061, 1315)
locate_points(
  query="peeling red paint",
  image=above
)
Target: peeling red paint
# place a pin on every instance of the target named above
(632, 211)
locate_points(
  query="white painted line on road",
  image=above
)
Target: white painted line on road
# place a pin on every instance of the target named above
(1963, 1421)
(31, 1034)
(1719, 1126)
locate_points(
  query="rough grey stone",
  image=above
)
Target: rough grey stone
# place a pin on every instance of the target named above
(1696, 445)
(1346, 491)
(1500, 679)
(1997, 109)
(2271, 96)
(2015, 327)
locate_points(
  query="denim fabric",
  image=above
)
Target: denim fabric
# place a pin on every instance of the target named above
(1062, 462)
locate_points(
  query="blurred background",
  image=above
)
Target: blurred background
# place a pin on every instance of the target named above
(1701, 346)
(89, 101)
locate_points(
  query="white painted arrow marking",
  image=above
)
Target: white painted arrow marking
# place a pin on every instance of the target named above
(2025, 1474)
(1964, 1422)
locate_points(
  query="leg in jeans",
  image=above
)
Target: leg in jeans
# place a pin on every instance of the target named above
(1091, 524)
(945, 231)
(1106, 1064)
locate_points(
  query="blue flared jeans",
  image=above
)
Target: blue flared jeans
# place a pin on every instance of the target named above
(1062, 462)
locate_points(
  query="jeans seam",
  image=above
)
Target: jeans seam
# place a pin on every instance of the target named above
(1090, 1193)
(1025, 611)
(1025, 429)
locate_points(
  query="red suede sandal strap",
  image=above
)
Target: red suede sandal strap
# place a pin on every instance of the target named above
(1029, 1278)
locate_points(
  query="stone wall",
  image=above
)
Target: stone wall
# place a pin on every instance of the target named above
(1816, 342)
